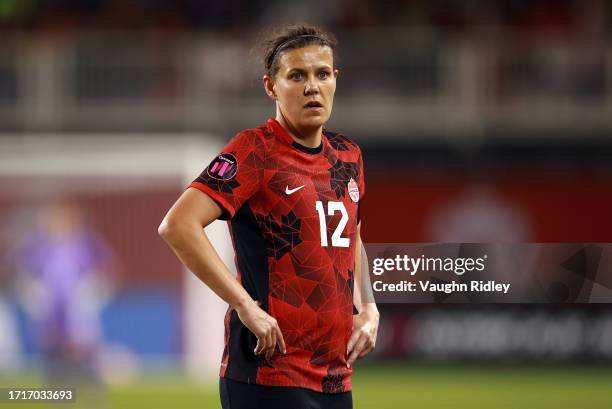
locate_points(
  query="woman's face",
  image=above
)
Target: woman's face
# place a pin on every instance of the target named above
(304, 85)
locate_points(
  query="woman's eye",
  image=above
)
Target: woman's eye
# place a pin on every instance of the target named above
(296, 76)
(323, 75)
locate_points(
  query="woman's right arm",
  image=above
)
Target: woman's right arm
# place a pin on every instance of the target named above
(183, 230)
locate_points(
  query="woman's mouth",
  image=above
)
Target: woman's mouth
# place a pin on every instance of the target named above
(314, 105)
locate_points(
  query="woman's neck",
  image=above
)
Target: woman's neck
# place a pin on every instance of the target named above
(307, 137)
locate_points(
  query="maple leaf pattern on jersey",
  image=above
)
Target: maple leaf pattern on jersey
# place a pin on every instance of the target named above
(226, 186)
(341, 172)
(339, 142)
(281, 237)
(332, 381)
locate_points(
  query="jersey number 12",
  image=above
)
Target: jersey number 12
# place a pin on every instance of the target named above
(336, 238)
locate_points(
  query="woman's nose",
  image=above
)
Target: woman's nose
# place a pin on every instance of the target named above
(311, 87)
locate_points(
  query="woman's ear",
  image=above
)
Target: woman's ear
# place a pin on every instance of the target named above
(268, 84)
(336, 72)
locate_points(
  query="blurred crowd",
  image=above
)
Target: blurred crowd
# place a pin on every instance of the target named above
(539, 16)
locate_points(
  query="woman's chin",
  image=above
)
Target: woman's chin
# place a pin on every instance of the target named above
(313, 121)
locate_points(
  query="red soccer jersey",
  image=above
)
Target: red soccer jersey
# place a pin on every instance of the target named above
(293, 214)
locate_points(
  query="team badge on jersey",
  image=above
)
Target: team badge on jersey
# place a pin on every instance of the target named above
(223, 167)
(353, 190)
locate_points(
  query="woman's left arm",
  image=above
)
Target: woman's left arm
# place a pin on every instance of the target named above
(365, 323)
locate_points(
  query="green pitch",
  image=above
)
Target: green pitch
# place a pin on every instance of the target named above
(483, 387)
(405, 386)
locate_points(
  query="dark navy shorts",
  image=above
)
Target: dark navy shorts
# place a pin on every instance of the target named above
(240, 395)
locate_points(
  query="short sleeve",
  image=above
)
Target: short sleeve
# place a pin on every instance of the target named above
(361, 181)
(235, 174)
(360, 184)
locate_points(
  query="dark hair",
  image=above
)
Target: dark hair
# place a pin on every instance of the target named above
(291, 37)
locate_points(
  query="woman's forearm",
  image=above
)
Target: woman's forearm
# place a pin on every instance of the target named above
(363, 297)
(191, 245)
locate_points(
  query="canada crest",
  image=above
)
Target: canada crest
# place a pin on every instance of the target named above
(353, 190)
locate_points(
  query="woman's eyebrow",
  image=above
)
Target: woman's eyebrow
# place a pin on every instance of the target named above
(317, 68)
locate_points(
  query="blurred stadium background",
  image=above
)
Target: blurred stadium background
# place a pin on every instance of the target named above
(480, 121)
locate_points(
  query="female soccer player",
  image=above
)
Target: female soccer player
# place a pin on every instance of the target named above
(291, 193)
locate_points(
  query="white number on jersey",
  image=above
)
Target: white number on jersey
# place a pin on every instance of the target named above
(333, 207)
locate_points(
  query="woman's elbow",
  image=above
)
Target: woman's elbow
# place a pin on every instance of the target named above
(171, 229)
(163, 229)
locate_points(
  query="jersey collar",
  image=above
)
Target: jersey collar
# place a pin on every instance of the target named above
(284, 135)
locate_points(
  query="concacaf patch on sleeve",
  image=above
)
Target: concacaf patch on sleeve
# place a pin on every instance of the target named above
(223, 167)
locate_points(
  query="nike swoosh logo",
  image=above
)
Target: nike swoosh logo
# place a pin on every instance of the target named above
(291, 191)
